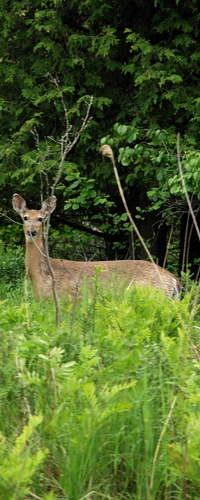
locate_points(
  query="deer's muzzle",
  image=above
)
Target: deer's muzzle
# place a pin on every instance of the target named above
(32, 232)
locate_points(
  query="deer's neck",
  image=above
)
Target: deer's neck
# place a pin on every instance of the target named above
(35, 263)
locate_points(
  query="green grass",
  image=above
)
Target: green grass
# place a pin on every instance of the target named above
(105, 406)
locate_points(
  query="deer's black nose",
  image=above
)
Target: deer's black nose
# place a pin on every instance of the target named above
(32, 232)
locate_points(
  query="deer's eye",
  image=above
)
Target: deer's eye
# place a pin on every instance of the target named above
(40, 218)
(25, 217)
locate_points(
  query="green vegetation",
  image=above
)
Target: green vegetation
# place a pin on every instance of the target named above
(107, 405)
(140, 62)
(11, 270)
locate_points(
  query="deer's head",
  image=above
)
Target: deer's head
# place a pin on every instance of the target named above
(33, 219)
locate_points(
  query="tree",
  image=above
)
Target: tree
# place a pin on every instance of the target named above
(142, 68)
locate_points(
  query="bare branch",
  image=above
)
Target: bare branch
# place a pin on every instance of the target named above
(11, 220)
(65, 147)
(55, 294)
(107, 151)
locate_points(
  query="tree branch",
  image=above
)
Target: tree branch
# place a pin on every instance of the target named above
(65, 147)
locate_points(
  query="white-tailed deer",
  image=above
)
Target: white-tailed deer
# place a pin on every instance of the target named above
(69, 275)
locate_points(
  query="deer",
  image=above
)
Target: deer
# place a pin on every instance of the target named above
(69, 274)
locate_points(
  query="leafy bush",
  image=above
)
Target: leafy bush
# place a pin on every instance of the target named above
(18, 464)
(12, 268)
(116, 391)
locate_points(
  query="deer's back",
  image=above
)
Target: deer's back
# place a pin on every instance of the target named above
(70, 275)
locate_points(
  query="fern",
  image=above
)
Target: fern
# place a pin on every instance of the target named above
(19, 464)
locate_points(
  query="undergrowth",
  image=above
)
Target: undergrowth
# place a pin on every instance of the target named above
(105, 406)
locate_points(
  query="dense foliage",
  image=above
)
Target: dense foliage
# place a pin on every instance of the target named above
(140, 62)
(104, 406)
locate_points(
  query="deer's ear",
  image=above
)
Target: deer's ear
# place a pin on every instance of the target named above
(19, 204)
(49, 205)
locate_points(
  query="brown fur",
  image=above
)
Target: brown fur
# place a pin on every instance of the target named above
(70, 275)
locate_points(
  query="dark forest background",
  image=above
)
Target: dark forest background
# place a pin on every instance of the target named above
(140, 62)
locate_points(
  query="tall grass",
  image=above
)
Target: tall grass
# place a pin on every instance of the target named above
(105, 406)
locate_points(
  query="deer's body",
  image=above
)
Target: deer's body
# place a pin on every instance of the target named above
(70, 275)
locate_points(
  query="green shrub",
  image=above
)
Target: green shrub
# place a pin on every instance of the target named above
(19, 462)
(11, 268)
(117, 386)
